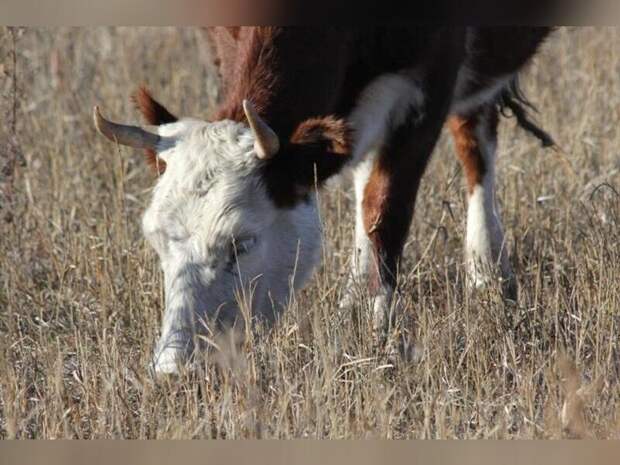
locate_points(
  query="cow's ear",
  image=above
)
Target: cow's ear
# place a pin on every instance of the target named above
(154, 113)
(317, 150)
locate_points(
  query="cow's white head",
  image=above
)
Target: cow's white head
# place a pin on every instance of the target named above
(232, 217)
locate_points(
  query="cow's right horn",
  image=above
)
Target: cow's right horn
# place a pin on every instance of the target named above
(132, 136)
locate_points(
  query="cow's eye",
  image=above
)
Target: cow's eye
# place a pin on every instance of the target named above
(241, 247)
(245, 245)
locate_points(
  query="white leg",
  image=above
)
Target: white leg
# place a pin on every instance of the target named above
(362, 255)
(484, 242)
(363, 258)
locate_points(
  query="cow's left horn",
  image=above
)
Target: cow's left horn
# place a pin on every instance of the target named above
(267, 143)
(132, 136)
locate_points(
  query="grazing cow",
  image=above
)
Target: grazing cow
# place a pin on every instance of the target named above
(233, 212)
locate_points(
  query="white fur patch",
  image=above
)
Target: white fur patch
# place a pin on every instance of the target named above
(484, 243)
(384, 105)
(479, 235)
(363, 254)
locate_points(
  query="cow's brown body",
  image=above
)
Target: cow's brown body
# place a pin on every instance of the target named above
(296, 73)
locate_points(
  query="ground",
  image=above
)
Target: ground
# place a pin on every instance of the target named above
(81, 291)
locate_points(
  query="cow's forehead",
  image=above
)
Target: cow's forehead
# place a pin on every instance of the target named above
(212, 161)
(207, 145)
(180, 127)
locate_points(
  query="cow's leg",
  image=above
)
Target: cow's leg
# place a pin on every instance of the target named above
(475, 137)
(397, 121)
(362, 252)
(386, 188)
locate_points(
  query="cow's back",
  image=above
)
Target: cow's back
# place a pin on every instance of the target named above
(487, 57)
(494, 55)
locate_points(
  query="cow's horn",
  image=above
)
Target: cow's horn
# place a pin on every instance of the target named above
(267, 143)
(132, 136)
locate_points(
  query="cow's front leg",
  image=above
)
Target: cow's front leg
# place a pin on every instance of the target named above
(397, 123)
(364, 280)
(386, 188)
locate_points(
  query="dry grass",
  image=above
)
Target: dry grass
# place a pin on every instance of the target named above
(81, 292)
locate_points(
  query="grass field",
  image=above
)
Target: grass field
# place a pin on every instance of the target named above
(81, 293)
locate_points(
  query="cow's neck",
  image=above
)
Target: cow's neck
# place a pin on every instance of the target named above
(289, 74)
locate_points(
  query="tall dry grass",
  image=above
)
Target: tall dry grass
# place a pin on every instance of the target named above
(81, 293)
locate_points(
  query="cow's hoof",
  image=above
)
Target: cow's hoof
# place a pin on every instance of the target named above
(478, 280)
(167, 363)
(347, 301)
(381, 311)
(386, 308)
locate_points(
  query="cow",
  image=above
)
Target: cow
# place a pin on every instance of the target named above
(233, 211)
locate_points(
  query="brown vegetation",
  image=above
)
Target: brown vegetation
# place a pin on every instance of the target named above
(81, 293)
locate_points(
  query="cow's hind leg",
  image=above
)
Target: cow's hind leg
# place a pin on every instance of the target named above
(475, 137)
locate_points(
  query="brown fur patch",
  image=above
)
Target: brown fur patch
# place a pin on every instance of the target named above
(154, 113)
(467, 147)
(282, 73)
(374, 204)
(333, 134)
(318, 149)
(294, 74)
(390, 195)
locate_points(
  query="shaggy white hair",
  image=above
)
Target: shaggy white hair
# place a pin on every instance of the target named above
(217, 233)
